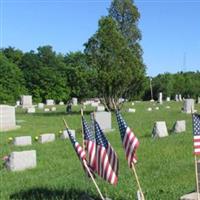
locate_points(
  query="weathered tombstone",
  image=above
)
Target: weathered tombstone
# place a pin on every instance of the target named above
(157, 108)
(7, 118)
(31, 110)
(149, 109)
(160, 129)
(18, 161)
(160, 98)
(133, 110)
(22, 141)
(17, 103)
(94, 104)
(66, 136)
(50, 102)
(132, 103)
(188, 106)
(40, 105)
(179, 126)
(48, 137)
(176, 97)
(74, 101)
(198, 100)
(100, 108)
(26, 101)
(104, 120)
(53, 109)
(61, 103)
(179, 97)
(168, 99)
(46, 110)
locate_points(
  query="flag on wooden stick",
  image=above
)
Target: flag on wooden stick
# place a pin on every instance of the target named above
(196, 133)
(129, 140)
(106, 158)
(90, 145)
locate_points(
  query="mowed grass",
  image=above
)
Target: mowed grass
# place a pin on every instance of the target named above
(165, 166)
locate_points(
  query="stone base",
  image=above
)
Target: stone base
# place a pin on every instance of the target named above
(191, 196)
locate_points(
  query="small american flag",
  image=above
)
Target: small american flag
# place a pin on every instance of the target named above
(106, 158)
(129, 140)
(90, 145)
(79, 151)
(196, 132)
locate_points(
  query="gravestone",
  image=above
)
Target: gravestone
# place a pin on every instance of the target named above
(168, 107)
(26, 101)
(7, 118)
(188, 106)
(17, 103)
(179, 97)
(53, 109)
(46, 110)
(176, 97)
(100, 108)
(179, 126)
(40, 105)
(31, 110)
(18, 161)
(149, 109)
(94, 104)
(133, 110)
(50, 102)
(103, 119)
(61, 103)
(160, 98)
(157, 108)
(160, 129)
(74, 101)
(22, 141)
(47, 137)
(198, 100)
(168, 99)
(132, 103)
(66, 136)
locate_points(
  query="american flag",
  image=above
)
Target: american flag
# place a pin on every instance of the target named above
(90, 145)
(196, 133)
(106, 158)
(79, 151)
(129, 140)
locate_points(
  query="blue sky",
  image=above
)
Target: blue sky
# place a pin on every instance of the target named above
(170, 29)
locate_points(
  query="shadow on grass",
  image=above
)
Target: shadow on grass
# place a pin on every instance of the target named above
(53, 194)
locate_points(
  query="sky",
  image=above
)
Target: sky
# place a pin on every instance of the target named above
(170, 28)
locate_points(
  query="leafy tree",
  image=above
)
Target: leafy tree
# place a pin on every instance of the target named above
(11, 81)
(108, 53)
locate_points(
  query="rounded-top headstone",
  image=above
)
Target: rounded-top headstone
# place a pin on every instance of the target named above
(160, 129)
(179, 126)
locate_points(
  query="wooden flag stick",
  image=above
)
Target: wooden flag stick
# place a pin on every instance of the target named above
(196, 174)
(85, 164)
(82, 128)
(137, 180)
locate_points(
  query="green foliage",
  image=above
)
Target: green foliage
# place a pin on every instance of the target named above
(11, 81)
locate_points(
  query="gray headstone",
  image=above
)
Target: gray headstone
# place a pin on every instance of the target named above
(180, 126)
(179, 97)
(168, 99)
(26, 101)
(104, 120)
(160, 98)
(188, 106)
(74, 101)
(40, 105)
(198, 100)
(22, 141)
(50, 102)
(160, 129)
(48, 137)
(94, 104)
(176, 97)
(31, 110)
(66, 136)
(18, 161)
(7, 118)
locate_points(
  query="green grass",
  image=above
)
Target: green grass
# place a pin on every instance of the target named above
(165, 167)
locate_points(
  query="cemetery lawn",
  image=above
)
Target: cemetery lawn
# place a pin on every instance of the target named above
(165, 166)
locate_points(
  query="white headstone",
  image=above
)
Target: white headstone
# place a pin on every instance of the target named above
(19, 161)
(26, 101)
(53, 109)
(168, 99)
(48, 137)
(180, 126)
(176, 97)
(50, 102)
(132, 110)
(31, 110)
(7, 117)
(46, 110)
(104, 120)
(198, 100)
(100, 108)
(61, 103)
(40, 105)
(179, 97)
(160, 129)
(22, 141)
(66, 136)
(132, 103)
(149, 109)
(156, 108)
(188, 106)
(17, 103)
(160, 98)
(94, 104)
(74, 101)
(168, 107)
